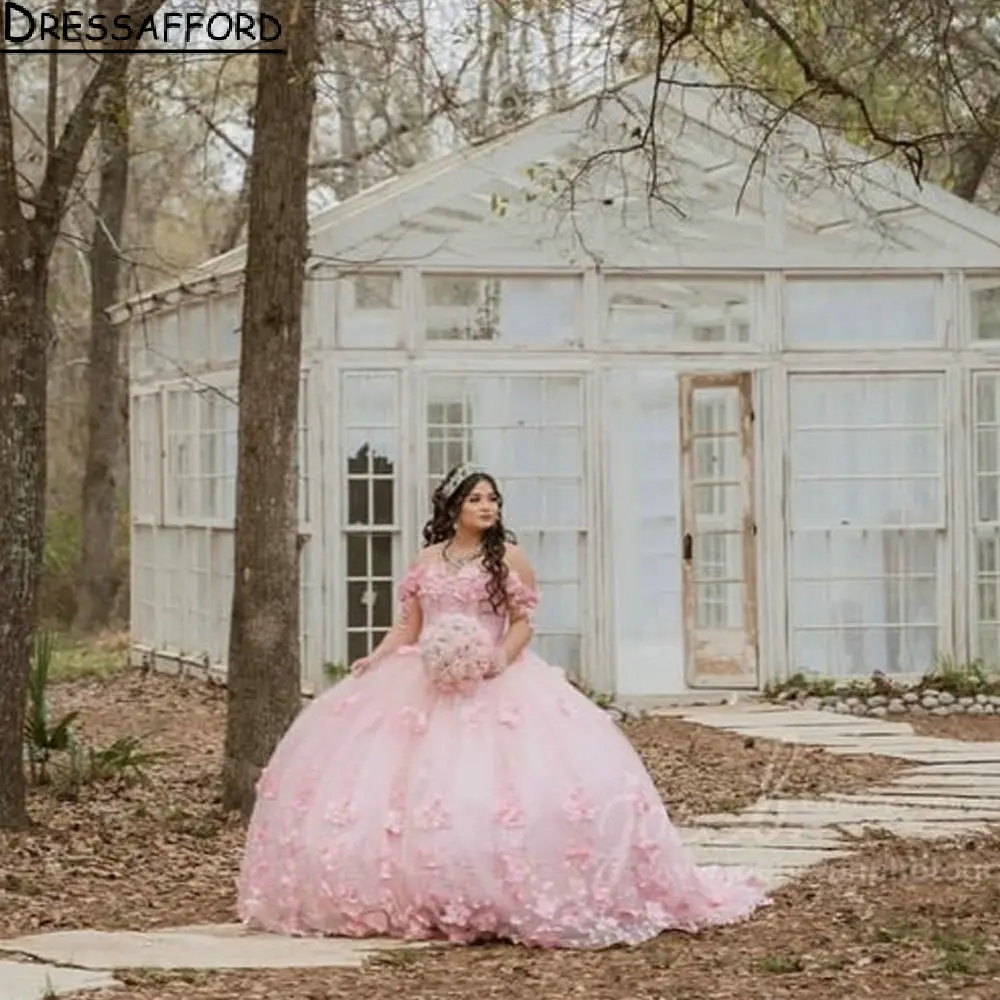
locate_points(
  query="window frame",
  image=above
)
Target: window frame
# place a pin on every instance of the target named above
(967, 311)
(756, 282)
(944, 529)
(586, 532)
(943, 319)
(571, 276)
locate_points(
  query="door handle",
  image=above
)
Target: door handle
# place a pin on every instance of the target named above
(688, 548)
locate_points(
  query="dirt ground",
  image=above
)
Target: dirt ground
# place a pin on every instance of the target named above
(974, 728)
(897, 920)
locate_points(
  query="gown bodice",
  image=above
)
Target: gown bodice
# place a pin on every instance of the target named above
(440, 590)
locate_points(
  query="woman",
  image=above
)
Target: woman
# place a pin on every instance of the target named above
(517, 810)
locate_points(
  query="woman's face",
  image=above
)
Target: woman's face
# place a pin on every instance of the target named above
(480, 508)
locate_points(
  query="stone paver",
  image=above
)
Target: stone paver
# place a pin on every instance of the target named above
(814, 838)
(974, 769)
(222, 946)
(763, 858)
(955, 792)
(914, 829)
(31, 981)
(820, 813)
(984, 807)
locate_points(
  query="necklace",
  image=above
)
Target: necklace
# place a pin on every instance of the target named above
(460, 561)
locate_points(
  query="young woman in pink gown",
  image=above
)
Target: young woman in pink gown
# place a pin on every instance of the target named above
(517, 810)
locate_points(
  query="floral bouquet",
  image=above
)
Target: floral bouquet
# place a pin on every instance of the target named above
(458, 653)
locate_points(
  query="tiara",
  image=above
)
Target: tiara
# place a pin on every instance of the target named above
(458, 477)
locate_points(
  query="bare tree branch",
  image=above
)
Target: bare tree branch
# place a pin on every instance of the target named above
(62, 165)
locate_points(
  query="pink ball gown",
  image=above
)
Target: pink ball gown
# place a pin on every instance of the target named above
(519, 811)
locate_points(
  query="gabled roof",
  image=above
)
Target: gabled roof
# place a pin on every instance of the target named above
(431, 185)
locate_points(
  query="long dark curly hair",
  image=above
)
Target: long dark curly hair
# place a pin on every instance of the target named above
(441, 528)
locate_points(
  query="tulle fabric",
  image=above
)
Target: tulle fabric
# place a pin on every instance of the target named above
(518, 812)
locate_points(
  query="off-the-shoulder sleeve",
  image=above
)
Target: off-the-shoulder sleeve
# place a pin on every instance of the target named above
(522, 600)
(409, 589)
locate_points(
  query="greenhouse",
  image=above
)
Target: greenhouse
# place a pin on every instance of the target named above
(746, 428)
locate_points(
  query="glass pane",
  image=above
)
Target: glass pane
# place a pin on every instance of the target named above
(541, 312)
(461, 307)
(856, 312)
(563, 402)
(383, 491)
(987, 448)
(528, 311)
(864, 600)
(867, 451)
(667, 311)
(376, 291)
(986, 309)
(357, 501)
(225, 325)
(564, 505)
(719, 606)
(357, 646)
(382, 555)
(357, 603)
(357, 555)
(369, 314)
(369, 400)
(382, 608)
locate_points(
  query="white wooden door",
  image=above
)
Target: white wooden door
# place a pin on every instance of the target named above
(719, 531)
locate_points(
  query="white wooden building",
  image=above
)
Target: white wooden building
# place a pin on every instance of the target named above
(736, 444)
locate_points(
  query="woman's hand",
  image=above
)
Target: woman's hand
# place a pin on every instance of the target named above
(499, 664)
(362, 665)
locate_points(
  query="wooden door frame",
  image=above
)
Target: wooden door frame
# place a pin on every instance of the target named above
(689, 384)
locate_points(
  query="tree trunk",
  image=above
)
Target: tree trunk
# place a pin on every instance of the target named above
(23, 344)
(974, 157)
(263, 670)
(23, 397)
(25, 253)
(97, 579)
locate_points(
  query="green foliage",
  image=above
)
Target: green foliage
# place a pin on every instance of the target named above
(43, 738)
(335, 672)
(808, 684)
(61, 554)
(781, 965)
(597, 697)
(46, 741)
(125, 761)
(75, 658)
(959, 955)
(62, 542)
(960, 679)
(875, 75)
(57, 596)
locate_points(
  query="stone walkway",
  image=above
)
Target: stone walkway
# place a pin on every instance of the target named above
(953, 788)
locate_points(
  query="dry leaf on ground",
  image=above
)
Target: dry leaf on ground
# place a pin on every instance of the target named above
(165, 855)
(974, 728)
(899, 920)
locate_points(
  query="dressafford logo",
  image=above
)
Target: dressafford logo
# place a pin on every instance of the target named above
(191, 30)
